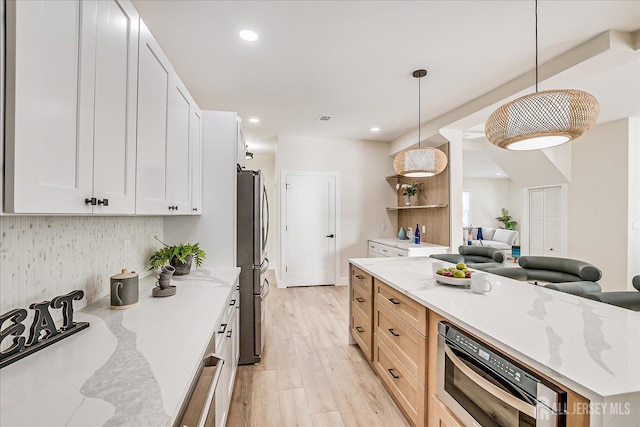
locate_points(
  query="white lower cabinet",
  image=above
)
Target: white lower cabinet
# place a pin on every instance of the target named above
(71, 84)
(387, 247)
(227, 345)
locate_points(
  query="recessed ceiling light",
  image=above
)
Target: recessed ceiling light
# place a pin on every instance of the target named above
(375, 129)
(254, 120)
(248, 35)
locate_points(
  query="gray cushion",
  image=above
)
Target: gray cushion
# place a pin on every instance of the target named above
(454, 258)
(512, 273)
(575, 288)
(484, 265)
(636, 282)
(492, 254)
(624, 299)
(571, 267)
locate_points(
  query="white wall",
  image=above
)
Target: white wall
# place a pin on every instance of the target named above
(45, 256)
(634, 201)
(488, 197)
(364, 191)
(599, 202)
(267, 164)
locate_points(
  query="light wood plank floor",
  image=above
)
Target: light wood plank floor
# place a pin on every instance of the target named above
(310, 375)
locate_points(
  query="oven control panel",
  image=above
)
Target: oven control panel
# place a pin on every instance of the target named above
(490, 358)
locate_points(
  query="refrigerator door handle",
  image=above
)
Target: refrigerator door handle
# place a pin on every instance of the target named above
(265, 289)
(266, 234)
(264, 266)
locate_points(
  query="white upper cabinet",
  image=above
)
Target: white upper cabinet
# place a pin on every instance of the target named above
(195, 150)
(70, 88)
(116, 74)
(165, 108)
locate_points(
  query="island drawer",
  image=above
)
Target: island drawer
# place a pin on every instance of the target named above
(407, 390)
(402, 306)
(361, 332)
(361, 300)
(407, 344)
(361, 278)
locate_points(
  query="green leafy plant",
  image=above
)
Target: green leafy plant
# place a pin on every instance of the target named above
(410, 190)
(505, 219)
(165, 254)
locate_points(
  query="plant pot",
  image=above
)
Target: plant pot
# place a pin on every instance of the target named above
(182, 268)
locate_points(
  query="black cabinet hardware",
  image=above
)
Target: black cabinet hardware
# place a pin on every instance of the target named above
(394, 301)
(395, 377)
(104, 202)
(359, 329)
(393, 332)
(360, 299)
(359, 277)
(223, 328)
(229, 333)
(232, 303)
(92, 201)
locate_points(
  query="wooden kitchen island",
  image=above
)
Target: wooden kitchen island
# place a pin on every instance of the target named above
(589, 349)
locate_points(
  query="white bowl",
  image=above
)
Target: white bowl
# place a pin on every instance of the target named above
(453, 280)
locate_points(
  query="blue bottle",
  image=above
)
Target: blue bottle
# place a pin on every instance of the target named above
(416, 236)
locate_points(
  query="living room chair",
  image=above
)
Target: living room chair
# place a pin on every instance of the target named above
(624, 299)
(550, 270)
(576, 288)
(477, 257)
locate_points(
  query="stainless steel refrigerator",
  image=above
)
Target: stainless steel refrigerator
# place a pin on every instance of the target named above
(252, 234)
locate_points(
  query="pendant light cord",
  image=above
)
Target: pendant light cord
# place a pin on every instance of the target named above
(536, 7)
(419, 93)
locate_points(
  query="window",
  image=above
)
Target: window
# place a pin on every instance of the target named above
(466, 216)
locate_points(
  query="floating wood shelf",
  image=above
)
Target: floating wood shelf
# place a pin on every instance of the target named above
(397, 208)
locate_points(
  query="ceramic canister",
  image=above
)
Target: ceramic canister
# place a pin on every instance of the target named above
(124, 289)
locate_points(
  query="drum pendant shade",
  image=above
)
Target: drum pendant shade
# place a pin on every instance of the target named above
(420, 162)
(542, 119)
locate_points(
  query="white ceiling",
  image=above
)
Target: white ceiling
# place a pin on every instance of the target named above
(353, 59)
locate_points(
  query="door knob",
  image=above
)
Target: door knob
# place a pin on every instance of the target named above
(330, 236)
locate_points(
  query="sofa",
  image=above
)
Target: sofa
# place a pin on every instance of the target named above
(498, 238)
(477, 257)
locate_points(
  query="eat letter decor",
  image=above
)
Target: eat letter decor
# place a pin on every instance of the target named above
(42, 332)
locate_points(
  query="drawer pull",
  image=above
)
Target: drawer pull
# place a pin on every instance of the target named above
(360, 299)
(232, 303)
(359, 329)
(359, 277)
(385, 251)
(394, 301)
(393, 332)
(223, 328)
(229, 333)
(395, 377)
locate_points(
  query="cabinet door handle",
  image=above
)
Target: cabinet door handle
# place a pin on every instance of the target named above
(104, 202)
(360, 299)
(232, 303)
(384, 250)
(393, 332)
(359, 329)
(195, 209)
(223, 328)
(229, 333)
(359, 277)
(394, 301)
(92, 201)
(395, 377)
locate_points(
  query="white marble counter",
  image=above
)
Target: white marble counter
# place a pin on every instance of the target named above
(129, 367)
(406, 244)
(591, 347)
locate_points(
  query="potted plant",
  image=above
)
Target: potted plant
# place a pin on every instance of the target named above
(409, 191)
(505, 219)
(179, 256)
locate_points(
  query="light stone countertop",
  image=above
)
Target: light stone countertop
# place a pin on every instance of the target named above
(129, 367)
(591, 347)
(406, 244)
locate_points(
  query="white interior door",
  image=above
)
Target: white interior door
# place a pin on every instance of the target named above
(546, 222)
(310, 229)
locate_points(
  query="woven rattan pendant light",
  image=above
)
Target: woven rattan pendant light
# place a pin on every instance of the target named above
(420, 162)
(542, 119)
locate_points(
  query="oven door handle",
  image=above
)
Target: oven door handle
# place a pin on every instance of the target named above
(490, 388)
(210, 360)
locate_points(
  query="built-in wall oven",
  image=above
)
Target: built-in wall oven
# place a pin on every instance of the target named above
(485, 388)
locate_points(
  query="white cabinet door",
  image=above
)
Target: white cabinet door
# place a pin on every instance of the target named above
(178, 167)
(49, 99)
(385, 250)
(154, 71)
(195, 150)
(400, 252)
(115, 108)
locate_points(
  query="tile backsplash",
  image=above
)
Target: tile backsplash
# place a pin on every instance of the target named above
(45, 256)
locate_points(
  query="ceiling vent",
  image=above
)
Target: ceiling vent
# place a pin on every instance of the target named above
(323, 118)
